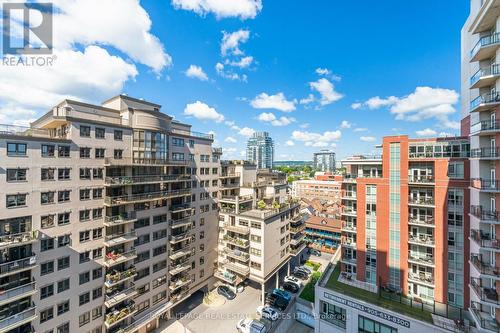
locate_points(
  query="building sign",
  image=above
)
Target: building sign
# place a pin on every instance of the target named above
(368, 310)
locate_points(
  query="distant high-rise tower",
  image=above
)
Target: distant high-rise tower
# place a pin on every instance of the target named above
(260, 150)
(324, 161)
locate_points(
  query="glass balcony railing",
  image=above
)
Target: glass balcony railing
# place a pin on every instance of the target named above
(490, 98)
(17, 319)
(486, 184)
(120, 219)
(17, 265)
(485, 152)
(485, 41)
(484, 267)
(485, 126)
(484, 72)
(130, 198)
(130, 180)
(421, 277)
(484, 214)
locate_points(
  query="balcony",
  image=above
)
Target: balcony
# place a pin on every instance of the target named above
(423, 220)
(296, 240)
(174, 239)
(421, 201)
(350, 196)
(298, 229)
(17, 266)
(174, 285)
(12, 294)
(230, 175)
(229, 185)
(113, 240)
(486, 216)
(119, 315)
(348, 227)
(485, 77)
(483, 318)
(484, 240)
(23, 238)
(485, 294)
(235, 198)
(113, 258)
(180, 208)
(349, 243)
(113, 279)
(422, 240)
(177, 254)
(421, 278)
(349, 260)
(485, 102)
(236, 268)
(421, 259)
(294, 250)
(131, 180)
(349, 211)
(237, 254)
(242, 230)
(421, 180)
(485, 48)
(144, 161)
(486, 185)
(226, 276)
(123, 218)
(484, 268)
(180, 222)
(18, 319)
(119, 296)
(485, 127)
(180, 268)
(243, 243)
(144, 197)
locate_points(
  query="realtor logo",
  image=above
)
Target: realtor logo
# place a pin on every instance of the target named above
(27, 28)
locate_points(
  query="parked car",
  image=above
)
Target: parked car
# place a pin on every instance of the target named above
(293, 279)
(315, 252)
(283, 294)
(291, 287)
(268, 312)
(278, 302)
(249, 325)
(304, 268)
(300, 275)
(270, 298)
(226, 292)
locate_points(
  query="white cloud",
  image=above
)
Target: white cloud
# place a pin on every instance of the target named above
(231, 42)
(356, 106)
(196, 72)
(304, 125)
(230, 139)
(345, 124)
(377, 102)
(316, 139)
(360, 129)
(202, 111)
(307, 100)
(445, 134)
(289, 143)
(242, 63)
(246, 131)
(426, 132)
(319, 144)
(326, 90)
(228, 150)
(11, 114)
(367, 138)
(271, 118)
(323, 71)
(244, 9)
(228, 74)
(278, 102)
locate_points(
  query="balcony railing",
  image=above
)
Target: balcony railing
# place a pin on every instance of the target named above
(17, 239)
(421, 277)
(237, 241)
(486, 294)
(115, 239)
(236, 254)
(180, 207)
(422, 239)
(19, 318)
(426, 201)
(423, 220)
(120, 219)
(193, 134)
(144, 161)
(129, 180)
(117, 258)
(117, 316)
(18, 291)
(128, 198)
(242, 230)
(483, 318)
(490, 98)
(118, 277)
(485, 184)
(484, 214)
(230, 175)
(180, 268)
(421, 179)
(17, 265)
(484, 42)
(484, 126)
(482, 267)
(423, 259)
(483, 72)
(183, 281)
(349, 211)
(349, 227)
(484, 239)
(119, 296)
(226, 276)
(6, 129)
(237, 268)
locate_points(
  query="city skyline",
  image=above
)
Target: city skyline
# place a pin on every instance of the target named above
(232, 71)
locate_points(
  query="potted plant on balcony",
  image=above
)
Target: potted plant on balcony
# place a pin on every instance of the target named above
(261, 205)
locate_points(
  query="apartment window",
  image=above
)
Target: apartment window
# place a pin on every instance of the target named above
(178, 156)
(159, 250)
(177, 142)
(202, 247)
(142, 273)
(202, 234)
(456, 170)
(256, 225)
(64, 328)
(85, 173)
(48, 150)
(84, 131)
(366, 325)
(46, 244)
(202, 273)
(97, 293)
(63, 218)
(84, 319)
(16, 175)
(96, 273)
(98, 173)
(143, 306)
(63, 263)
(47, 221)
(96, 313)
(159, 266)
(85, 194)
(99, 153)
(97, 253)
(255, 252)
(46, 315)
(46, 291)
(333, 314)
(118, 154)
(16, 200)
(160, 296)
(84, 278)
(118, 135)
(142, 256)
(202, 260)
(63, 307)
(84, 152)
(63, 285)
(63, 240)
(142, 239)
(159, 234)
(96, 213)
(84, 257)
(97, 233)
(255, 265)
(159, 281)
(97, 193)
(16, 149)
(47, 173)
(84, 215)
(141, 223)
(191, 143)
(47, 267)
(63, 196)
(64, 151)
(99, 133)
(63, 173)
(160, 219)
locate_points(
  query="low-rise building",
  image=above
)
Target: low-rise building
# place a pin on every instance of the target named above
(323, 233)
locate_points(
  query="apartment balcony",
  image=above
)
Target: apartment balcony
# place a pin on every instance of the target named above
(483, 318)
(24, 238)
(229, 185)
(350, 196)
(350, 178)
(349, 243)
(179, 283)
(421, 259)
(147, 179)
(485, 77)
(180, 208)
(230, 175)
(174, 239)
(487, 295)
(485, 216)
(235, 198)
(178, 254)
(349, 260)
(113, 258)
(144, 161)
(484, 240)
(242, 230)
(426, 279)
(119, 296)
(18, 319)
(486, 185)
(300, 228)
(236, 254)
(425, 221)
(119, 315)
(296, 240)
(16, 266)
(485, 48)
(422, 240)
(144, 197)
(237, 268)
(294, 250)
(113, 279)
(226, 276)
(13, 294)
(349, 211)
(243, 243)
(117, 239)
(421, 202)
(123, 218)
(180, 222)
(421, 180)
(485, 102)
(484, 268)
(174, 270)
(349, 227)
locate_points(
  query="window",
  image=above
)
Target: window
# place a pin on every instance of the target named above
(178, 156)
(141, 223)
(62, 263)
(46, 244)
(84, 318)
(85, 194)
(160, 219)
(64, 328)
(159, 266)
(99, 153)
(97, 193)
(85, 131)
(97, 233)
(63, 240)
(48, 150)
(46, 267)
(63, 173)
(191, 143)
(63, 285)
(47, 291)
(118, 154)
(366, 325)
(97, 293)
(159, 250)
(97, 253)
(16, 149)
(63, 218)
(84, 236)
(16, 175)
(47, 221)
(63, 196)
(99, 133)
(84, 278)
(96, 213)
(177, 142)
(63, 307)
(16, 200)
(46, 315)
(85, 215)
(160, 296)
(85, 173)
(84, 152)
(96, 273)
(118, 135)
(64, 151)
(142, 256)
(333, 314)
(84, 257)
(98, 173)
(47, 173)
(96, 313)
(159, 234)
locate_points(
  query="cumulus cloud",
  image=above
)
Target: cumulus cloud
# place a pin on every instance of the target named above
(307, 100)
(202, 111)
(278, 102)
(326, 91)
(228, 74)
(345, 124)
(242, 63)
(271, 118)
(313, 139)
(230, 139)
(326, 72)
(356, 106)
(243, 9)
(289, 143)
(231, 42)
(246, 132)
(426, 132)
(367, 138)
(360, 129)
(196, 72)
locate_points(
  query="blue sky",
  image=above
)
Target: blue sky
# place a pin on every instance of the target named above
(362, 51)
